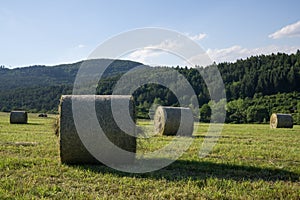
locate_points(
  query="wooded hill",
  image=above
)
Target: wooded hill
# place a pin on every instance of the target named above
(255, 87)
(38, 88)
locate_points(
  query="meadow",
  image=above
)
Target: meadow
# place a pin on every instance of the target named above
(250, 161)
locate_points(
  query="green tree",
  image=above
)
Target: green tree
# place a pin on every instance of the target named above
(218, 110)
(236, 111)
(205, 113)
(257, 114)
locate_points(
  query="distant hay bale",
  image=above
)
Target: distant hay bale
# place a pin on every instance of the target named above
(281, 121)
(18, 117)
(43, 115)
(167, 121)
(73, 151)
(20, 143)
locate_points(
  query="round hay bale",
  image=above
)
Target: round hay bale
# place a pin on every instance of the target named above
(43, 115)
(18, 117)
(281, 121)
(72, 149)
(173, 121)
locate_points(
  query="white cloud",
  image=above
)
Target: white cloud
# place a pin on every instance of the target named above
(147, 54)
(198, 37)
(292, 30)
(155, 56)
(227, 54)
(235, 52)
(200, 60)
(80, 46)
(169, 45)
(165, 52)
(143, 55)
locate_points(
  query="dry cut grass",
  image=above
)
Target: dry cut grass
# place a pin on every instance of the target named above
(248, 162)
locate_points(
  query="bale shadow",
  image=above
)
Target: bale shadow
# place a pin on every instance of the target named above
(186, 170)
(34, 124)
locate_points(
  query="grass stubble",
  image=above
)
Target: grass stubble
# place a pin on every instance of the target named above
(248, 162)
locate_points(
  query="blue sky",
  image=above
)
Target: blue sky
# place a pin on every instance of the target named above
(53, 32)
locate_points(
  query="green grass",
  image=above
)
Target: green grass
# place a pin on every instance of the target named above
(248, 162)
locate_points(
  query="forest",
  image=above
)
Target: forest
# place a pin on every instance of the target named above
(255, 87)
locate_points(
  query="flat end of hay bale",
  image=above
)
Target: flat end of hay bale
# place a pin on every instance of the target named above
(159, 121)
(173, 121)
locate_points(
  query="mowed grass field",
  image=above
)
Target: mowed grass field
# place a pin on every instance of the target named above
(248, 162)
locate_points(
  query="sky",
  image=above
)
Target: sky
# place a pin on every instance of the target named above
(53, 32)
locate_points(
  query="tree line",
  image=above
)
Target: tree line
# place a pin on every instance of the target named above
(255, 87)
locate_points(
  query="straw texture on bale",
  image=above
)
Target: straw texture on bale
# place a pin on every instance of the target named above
(281, 121)
(18, 117)
(167, 121)
(72, 150)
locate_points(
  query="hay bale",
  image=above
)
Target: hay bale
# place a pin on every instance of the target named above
(72, 149)
(173, 121)
(18, 117)
(43, 115)
(21, 143)
(281, 121)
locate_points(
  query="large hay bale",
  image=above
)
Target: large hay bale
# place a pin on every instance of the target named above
(18, 117)
(281, 121)
(72, 149)
(173, 121)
